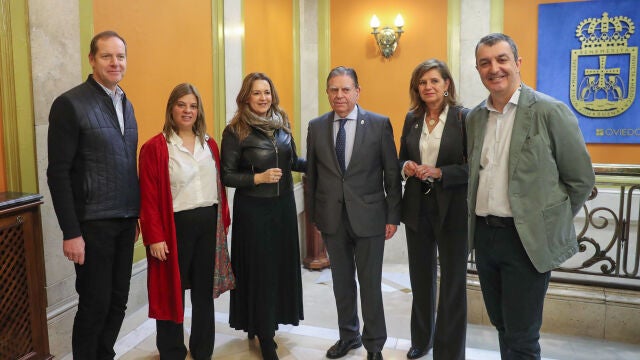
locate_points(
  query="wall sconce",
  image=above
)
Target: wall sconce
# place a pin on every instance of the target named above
(387, 38)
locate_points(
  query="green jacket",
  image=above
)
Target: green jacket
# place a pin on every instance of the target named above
(550, 175)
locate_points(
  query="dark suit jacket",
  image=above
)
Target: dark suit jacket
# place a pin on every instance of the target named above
(370, 189)
(451, 191)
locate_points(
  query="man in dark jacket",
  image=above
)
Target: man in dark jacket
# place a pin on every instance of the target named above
(354, 194)
(92, 176)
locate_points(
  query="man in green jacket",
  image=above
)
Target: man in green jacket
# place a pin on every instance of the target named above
(529, 175)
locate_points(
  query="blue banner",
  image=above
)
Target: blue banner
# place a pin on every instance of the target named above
(588, 58)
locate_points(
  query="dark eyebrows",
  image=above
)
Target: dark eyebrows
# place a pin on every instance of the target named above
(180, 102)
(500, 57)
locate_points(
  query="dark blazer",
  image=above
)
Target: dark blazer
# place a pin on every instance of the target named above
(451, 190)
(373, 171)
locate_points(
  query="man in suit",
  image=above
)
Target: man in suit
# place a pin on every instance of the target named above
(529, 175)
(354, 194)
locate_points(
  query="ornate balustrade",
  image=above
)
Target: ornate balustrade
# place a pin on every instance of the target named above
(608, 236)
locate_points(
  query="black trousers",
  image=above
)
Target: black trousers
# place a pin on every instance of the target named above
(513, 290)
(102, 283)
(446, 333)
(196, 240)
(349, 253)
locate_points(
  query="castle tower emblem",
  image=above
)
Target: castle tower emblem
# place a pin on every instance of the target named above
(603, 70)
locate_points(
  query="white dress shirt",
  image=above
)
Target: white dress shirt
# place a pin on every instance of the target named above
(116, 98)
(350, 132)
(192, 176)
(493, 185)
(430, 141)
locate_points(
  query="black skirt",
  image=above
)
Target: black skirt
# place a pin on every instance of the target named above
(265, 257)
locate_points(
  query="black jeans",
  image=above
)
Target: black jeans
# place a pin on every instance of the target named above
(196, 240)
(102, 283)
(513, 290)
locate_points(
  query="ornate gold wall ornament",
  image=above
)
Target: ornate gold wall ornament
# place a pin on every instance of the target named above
(604, 91)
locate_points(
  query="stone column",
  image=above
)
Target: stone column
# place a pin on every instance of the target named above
(474, 24)
(54, 28)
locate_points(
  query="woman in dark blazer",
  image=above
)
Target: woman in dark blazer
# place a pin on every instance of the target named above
(434, 210)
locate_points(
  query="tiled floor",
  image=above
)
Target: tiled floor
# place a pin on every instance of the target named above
(318, 331)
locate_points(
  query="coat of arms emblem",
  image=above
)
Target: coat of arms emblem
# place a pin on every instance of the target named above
(603, 70)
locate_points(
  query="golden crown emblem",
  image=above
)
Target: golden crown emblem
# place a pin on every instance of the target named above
(605, 32)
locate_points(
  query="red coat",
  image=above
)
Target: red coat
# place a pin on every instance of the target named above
(156, 222)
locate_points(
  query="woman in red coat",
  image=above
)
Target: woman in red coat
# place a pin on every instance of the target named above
(184, 219)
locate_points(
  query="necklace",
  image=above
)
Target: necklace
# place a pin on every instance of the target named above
(432, 122)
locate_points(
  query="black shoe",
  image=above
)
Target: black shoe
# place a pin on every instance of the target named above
(374, 355)
(252, 336)
(268, 349)
(415, 352)
(342, 347)
(269, 354)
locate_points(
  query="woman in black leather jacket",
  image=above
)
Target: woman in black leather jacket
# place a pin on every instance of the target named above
(258, 155)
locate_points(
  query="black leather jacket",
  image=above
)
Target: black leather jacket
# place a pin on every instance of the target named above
(255, 154)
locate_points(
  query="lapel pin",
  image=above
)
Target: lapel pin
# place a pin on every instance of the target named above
(361, 122)
(416, 125)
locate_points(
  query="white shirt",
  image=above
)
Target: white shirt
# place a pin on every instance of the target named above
(430, 141)
(116, 98)
(350, 132)
(493, 185)
(192, 176)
